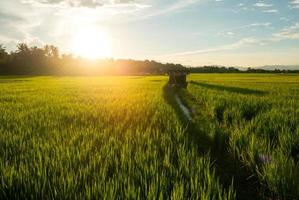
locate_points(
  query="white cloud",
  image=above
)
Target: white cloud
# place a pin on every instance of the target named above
(18, 22)
(291, 32)
(288, 33)
(263, 5)
(242, 6)
(294, 4)
(79, 3)
(233, 46)
(270, 11)
(229, 31)
(174, 7)
(267, 24)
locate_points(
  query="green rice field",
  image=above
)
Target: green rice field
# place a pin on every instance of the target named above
(127, 138)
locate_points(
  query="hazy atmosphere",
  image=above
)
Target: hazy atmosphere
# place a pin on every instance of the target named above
(148, 99)
(190, 32)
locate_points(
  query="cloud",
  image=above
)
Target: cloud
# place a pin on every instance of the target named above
(263, 5)
(4, 17)
(294, 4)
(18, 23)
(230, 31)
(242, 6)
(266, 7)
(11, 27)
(226, 33)
(233, 46)
(291, 32)
(288, 33)
(157, 10)
(174, 7)
(286, 19)
(266, 24)
(79, 3)
(270, 11)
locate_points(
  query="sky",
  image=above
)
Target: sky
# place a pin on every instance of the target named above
(246, 33)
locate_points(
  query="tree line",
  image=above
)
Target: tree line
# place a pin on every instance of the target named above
(217, 69)
(48, 60)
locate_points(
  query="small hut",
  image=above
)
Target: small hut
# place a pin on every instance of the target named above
(178, 78)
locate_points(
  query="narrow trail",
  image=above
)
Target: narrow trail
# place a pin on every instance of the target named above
(228, 169)
(183, 108)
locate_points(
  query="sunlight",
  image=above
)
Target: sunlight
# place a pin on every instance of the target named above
(91, 43)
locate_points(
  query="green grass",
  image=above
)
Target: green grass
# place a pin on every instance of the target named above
(125, 138)
(256, 116)
(97, 138)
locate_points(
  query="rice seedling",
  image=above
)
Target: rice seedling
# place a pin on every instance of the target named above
(260, 116)
(97, 138)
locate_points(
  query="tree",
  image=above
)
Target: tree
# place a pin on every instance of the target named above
(23, 48)
(51, 51)
(3, 52)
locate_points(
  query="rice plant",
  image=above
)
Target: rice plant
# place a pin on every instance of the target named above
(98, 138)
(259, 113)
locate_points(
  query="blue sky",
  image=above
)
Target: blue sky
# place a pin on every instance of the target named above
(191, 32)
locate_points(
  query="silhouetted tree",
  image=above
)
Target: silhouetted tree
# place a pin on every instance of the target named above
(3, 57)
(51, 51)
(214, 69)
(3, 52)
(47, 61)
(22, 48)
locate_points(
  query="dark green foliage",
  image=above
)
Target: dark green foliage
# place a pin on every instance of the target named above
(295, 151)
(214, 69)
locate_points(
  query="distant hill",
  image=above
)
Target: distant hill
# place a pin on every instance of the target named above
(264, 69)
(280, 67)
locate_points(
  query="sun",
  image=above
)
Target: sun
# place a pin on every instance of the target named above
(91, 43)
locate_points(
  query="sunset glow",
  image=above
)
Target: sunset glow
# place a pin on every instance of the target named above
(91, 43)
(190, 32)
